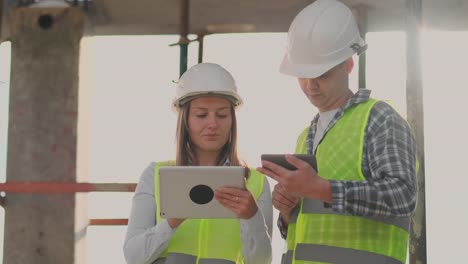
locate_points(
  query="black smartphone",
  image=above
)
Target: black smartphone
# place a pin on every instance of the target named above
(280, 160)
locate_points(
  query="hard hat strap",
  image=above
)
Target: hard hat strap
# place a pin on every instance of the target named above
(358, 48)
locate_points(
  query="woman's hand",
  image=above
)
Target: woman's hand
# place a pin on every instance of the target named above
(239, 201)
(175, 222)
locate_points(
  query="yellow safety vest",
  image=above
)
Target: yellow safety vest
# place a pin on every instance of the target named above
(206, 241)
(317, 234)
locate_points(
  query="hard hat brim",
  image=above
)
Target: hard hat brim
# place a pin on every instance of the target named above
(235, 99)
(307, 70)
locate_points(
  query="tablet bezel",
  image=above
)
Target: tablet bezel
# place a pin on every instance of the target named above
(280, 160)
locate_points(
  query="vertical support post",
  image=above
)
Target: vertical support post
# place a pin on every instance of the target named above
(184, 29)
(83, 146)
(415, 116)
(200, 39)
(1, 20)
(362, 24)
(42, 141)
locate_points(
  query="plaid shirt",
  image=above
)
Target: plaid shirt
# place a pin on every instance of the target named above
(388, 164)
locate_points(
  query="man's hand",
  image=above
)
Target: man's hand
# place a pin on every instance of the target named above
(303, 182)
(284, 202)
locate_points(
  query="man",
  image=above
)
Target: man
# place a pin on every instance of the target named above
(357, 207)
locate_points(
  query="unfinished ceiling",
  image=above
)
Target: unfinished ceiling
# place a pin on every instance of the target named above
(141, 17)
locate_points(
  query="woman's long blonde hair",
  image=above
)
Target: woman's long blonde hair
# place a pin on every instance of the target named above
(185, 150)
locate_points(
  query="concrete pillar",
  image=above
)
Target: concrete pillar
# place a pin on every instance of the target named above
(415, 117)
(42, 140)
(83, 147)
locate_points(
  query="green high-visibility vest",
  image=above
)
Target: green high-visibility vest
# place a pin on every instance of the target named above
(205, 241)
(316, 233)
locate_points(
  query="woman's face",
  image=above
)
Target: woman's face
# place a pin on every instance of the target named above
(210, 123)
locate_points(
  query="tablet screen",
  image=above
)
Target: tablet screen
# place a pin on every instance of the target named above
(188, 191)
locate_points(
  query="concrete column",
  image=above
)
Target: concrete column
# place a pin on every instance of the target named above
(83, 147)
(42, 140)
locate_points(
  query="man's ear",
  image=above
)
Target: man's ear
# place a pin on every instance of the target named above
(349, 64)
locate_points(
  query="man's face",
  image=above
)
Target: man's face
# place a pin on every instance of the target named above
(328, 91)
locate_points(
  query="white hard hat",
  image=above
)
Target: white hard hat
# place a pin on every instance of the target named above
(321, 36)
(206, 79)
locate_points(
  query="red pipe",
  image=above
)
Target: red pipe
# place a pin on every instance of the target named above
(109, 222)
(64, 187)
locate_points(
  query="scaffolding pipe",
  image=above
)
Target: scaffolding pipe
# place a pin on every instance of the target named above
(415, 117)
(200, 47)
(183, 41)
(62, 187)
(108, 221)
(362, 19)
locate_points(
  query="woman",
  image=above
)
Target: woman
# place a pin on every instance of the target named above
(206, 136)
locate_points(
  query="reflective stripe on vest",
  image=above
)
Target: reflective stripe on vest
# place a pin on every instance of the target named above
(178, 258)
(206, 241)
(311, 206)
(287, 257)
(320, 235)
(335, 255)
(291, 236)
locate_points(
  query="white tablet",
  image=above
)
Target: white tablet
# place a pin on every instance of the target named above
(188, 191)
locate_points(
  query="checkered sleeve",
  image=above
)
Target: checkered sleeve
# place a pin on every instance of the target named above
(283, 228)
(389, 166)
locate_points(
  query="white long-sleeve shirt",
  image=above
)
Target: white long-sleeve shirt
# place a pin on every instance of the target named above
(146, 239)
